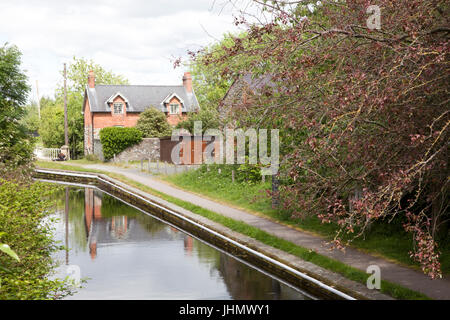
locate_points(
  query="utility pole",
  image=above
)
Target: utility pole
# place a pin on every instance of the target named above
(38, 100)
(66, 220)
(275, 191)
(66, 134)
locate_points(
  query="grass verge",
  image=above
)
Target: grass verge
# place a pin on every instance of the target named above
(389, 288)
(386, 240)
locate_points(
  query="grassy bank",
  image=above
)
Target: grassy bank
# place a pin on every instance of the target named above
(389, 288)
(389, 241)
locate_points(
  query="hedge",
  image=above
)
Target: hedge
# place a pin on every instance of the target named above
(116, 139)
(153, 124)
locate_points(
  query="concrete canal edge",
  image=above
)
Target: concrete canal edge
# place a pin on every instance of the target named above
(312, 279)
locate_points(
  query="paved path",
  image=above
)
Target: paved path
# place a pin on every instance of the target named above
(415, 280)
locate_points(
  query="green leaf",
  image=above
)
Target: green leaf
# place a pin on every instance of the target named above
(6, 249)
(5, 269)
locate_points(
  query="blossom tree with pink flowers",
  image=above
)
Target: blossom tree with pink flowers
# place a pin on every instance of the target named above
(364, 112)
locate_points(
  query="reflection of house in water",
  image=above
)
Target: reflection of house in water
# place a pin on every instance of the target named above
(188, 244)
(118, 223)
(110, 222)
(119, 227)
(92, 212)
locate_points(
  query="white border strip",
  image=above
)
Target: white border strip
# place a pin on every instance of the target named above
(254, 252)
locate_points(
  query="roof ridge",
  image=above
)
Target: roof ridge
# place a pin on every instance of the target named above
(140, 97)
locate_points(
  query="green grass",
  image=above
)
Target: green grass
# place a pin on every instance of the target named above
(67, 165)
(392, 289)
(386, 240)
(83, 161)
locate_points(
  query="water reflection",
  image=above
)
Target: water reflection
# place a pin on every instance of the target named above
(130, 255)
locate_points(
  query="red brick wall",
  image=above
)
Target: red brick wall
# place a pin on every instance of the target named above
(103, 120)
(173, 119)
(110, 119)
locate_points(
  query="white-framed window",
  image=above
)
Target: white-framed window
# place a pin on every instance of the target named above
(174, 108)
(118, 107)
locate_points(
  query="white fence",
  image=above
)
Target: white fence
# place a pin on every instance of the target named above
(47, 153)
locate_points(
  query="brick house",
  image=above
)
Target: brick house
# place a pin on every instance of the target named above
(121, 105)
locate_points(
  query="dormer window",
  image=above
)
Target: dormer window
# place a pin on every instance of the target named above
(174, 108)
(118, 108)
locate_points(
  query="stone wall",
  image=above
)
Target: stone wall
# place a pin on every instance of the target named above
(98, 149)
(147, 149)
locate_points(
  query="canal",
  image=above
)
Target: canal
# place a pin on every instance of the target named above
(127, 254)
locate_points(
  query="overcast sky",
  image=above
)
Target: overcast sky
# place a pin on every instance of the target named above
(136, 38)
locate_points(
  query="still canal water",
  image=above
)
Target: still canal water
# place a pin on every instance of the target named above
(126, 254)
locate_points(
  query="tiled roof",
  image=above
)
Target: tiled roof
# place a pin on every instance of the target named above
(139, 97)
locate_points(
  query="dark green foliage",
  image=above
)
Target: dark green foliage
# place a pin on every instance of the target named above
(153, 124)
(13, 82)
(91, 157)
(248, 174)
(15, 146)
(31, 118)
(116, 139)
(111, 207)
(22, 204)
(208, 117)
(51, 127)
(22, 226)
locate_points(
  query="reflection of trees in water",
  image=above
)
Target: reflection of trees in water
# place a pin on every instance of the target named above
(150, 224)
(205, 254)
(244, 282)
(77, 234)
(111, 207)
(241, 282)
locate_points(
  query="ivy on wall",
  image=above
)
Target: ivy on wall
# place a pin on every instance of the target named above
(116, 139)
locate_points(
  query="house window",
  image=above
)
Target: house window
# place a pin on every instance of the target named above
(118, 107)
(174, 108)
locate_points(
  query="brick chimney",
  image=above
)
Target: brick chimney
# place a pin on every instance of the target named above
(187, 81)
(91, 79)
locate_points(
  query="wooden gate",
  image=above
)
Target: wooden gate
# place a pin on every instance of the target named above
(167, 145)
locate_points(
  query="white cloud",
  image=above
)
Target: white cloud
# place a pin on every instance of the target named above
(136, 38)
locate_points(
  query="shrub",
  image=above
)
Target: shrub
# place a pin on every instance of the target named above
(116, 139)
(91, 157)
(208, 117)
(25, 226)
(153, 124)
